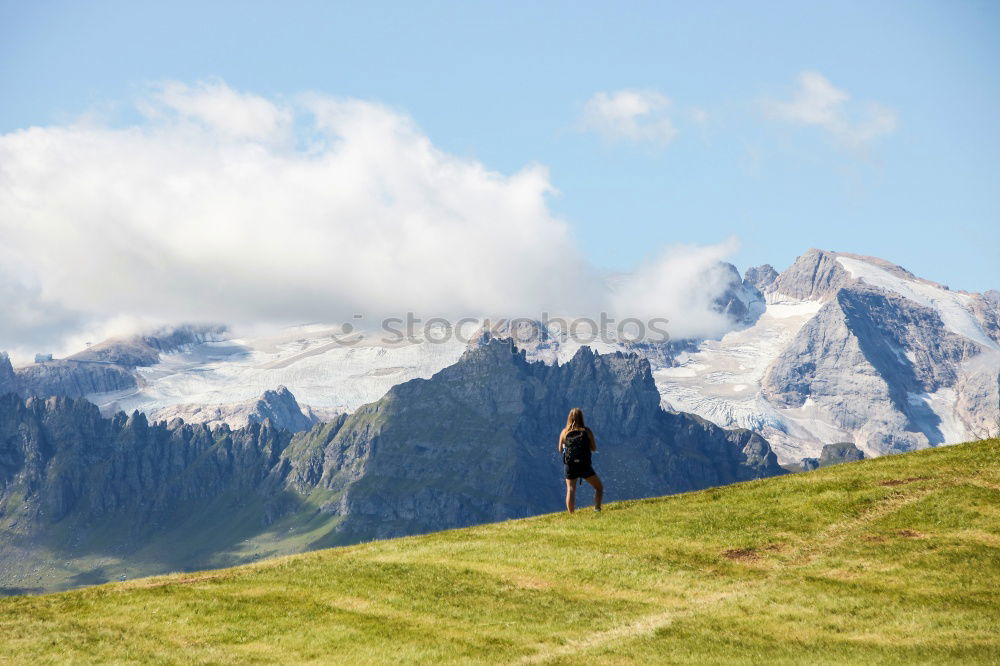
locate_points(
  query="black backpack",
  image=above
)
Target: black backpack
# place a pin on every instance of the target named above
(576, 448)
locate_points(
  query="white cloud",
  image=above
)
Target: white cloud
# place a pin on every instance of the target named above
(819, 103)
(677, 284)
(631, 115)
(216, 106)
(228, 207)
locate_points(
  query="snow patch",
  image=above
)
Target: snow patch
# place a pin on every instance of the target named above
(319, 371)
(945, 420)
(954, 308)
(721, 380)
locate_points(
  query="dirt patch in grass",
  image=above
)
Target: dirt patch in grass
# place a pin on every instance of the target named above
(178, 581)
(906, 534)
(740, 554)
(527, 583)
(900, 482)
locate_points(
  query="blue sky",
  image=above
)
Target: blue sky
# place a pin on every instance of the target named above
(507, 84)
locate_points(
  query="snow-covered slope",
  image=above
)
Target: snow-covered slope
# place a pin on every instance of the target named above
(721, 381)
(328, 373)
(849, 349)
(954, 308)
(324, 374)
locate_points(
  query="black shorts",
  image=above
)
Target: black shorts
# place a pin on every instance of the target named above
(579, 471)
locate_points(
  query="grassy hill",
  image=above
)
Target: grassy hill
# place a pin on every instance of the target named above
(892, 560)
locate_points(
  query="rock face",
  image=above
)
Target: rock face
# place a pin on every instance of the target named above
(59, 458)
(475, 443)
(282, 410)
(894, 349)
(741, 301)
(761, 277)
(850, 348)
(841, 452)
(496, 417)
(71, 378)
(279, 407)
(814, 275)
(8, 378)
(807, 464)
(833, 454)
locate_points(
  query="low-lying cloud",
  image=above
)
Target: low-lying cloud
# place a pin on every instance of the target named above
(226, 206)
(683, 280)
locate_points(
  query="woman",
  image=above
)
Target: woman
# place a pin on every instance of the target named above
(576, 443)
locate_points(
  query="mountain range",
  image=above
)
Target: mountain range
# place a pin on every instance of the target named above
(836, 348)
(85, 498)
(190, 448)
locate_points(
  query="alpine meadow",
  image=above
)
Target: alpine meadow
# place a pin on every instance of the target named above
(891, 560)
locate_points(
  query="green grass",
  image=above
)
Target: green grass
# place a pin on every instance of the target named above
(892, 560)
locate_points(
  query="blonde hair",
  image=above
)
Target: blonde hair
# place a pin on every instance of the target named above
(573, 422)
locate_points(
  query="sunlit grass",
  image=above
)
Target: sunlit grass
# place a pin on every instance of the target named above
(892, 560)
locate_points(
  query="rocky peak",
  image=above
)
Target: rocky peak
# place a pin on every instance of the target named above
(817, 274)
(8, 378)
(741, 301)
(813, 276)
(495, 410)
(898, 352)
(761, 277)
(281, 409)
(136, 422)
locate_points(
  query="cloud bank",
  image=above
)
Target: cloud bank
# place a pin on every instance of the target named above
(225, 206)
(818, 103)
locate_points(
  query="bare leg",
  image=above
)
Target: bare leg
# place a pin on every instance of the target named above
(598, 490)
(570, 495)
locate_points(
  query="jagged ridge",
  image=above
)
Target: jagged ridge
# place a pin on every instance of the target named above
(474, 443)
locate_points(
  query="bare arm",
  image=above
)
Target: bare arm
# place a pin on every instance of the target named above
(593, 441)
(559, 446)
